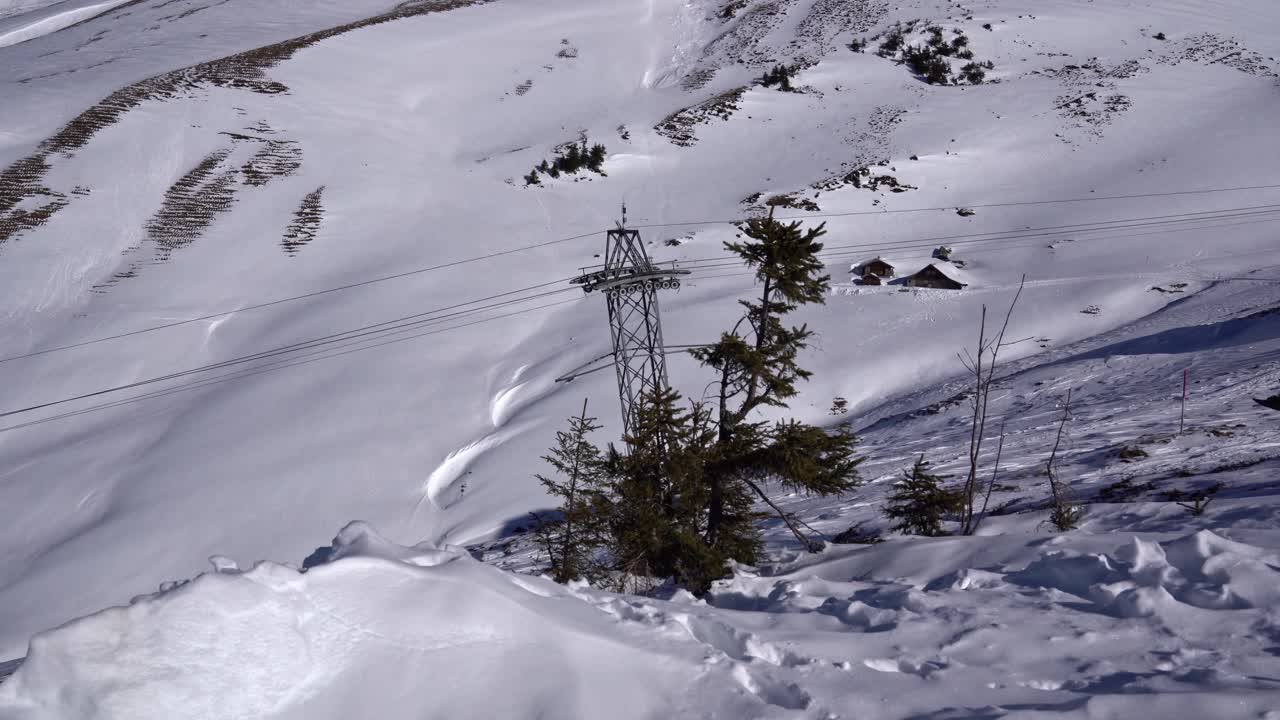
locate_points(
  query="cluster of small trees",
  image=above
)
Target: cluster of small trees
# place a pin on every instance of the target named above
(931, 61)
(573, 158)
(781, 76)
(679, 502)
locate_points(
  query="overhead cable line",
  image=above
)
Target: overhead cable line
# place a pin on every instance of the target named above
(1009, 235)
(534, 246)
(1026, 243)
(390, 326)
(368, 334)
(294, 298)
(414, 320)
(898, 211)
(270, 367)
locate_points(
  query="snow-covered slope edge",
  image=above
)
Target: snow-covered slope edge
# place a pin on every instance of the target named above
(44, 21)
(944, 628)
(418, 164)
(381, 631)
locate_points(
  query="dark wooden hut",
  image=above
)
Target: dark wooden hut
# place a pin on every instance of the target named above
(879, 267)
(933, 277)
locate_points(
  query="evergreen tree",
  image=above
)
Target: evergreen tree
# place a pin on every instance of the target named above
(757, 368)
(919, 501)
(926, 62)
(973, 73)
(892, 43)
(780, 75)
(572, 159)
(571, 541)
(680, 503)
(596, 157)
(657, 491)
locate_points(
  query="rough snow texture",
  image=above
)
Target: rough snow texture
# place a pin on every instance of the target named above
(904, 629)
(383, 631)
(162, 161)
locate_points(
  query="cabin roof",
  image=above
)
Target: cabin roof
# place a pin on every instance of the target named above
(949, 272)
(876, 259)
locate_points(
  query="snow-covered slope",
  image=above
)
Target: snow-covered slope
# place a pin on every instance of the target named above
(385, 632)
(1115, 626)
(25, 23)
(154, 175)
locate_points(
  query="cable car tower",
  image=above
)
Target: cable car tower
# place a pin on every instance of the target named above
(630, 283)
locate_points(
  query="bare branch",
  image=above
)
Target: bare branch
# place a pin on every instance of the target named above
(981, 402)
(991, 486)
(782, 514)
(1066, 412)
(1064, 515)
(976, 428)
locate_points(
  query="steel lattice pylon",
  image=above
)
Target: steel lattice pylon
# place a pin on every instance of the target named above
(630, 283)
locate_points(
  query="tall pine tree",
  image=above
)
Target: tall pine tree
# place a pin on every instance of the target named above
(757, 366)
(681, 501)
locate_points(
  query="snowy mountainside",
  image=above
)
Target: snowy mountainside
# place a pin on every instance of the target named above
(164, 162)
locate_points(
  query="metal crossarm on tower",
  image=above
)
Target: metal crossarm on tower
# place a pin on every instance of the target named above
(630, 283)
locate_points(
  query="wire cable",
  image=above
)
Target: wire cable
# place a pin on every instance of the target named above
(1049, 231)
(305, 296)
(270, 367)
(886, 211)
(412, 321)
(376, 329)
(548, 243)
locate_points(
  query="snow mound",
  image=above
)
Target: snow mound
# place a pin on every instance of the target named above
(1202, 570)
(373, 630)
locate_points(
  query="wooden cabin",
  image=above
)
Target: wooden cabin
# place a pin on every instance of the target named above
(933, 277)
(878, 267)
(871, 280)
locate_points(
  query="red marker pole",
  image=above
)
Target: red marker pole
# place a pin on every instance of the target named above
(1182, 418)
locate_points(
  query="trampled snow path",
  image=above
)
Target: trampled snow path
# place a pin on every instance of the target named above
(357, 155)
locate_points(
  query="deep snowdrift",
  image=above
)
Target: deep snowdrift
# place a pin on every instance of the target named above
(951, 628)
(381, 632)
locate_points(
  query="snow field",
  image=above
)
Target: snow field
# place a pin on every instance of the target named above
(419, 130)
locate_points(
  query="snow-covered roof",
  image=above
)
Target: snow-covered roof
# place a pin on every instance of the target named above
(878, 258)
(946, 270)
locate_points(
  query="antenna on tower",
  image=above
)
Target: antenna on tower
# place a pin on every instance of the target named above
(630, 283)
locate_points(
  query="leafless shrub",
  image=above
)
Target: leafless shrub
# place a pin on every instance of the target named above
(983, 366)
